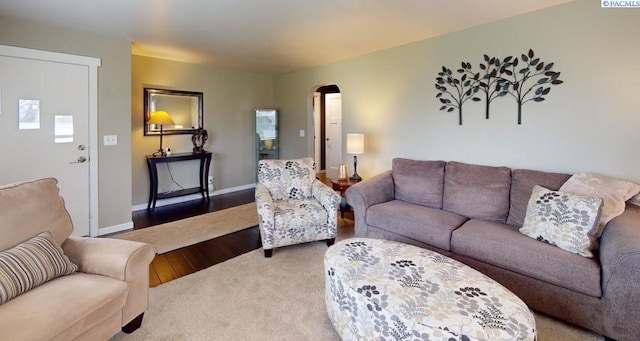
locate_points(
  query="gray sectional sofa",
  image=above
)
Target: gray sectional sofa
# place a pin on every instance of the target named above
(473, 213)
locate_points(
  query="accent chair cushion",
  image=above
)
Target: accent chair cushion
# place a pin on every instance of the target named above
(287, 179)
(565, 220)
(31, 264)
(418, 182)
(476, 191)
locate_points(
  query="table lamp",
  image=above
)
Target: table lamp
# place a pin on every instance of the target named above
(160, 118)
(355, 146)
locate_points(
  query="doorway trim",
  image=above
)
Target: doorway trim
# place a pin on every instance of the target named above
(319, 142)
(92, 64)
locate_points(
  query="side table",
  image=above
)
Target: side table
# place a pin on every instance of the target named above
(342, 185)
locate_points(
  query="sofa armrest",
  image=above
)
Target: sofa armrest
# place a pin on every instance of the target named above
(266, 223)
(120, 259)
(367, 193)
(620, 251)
(620, 259)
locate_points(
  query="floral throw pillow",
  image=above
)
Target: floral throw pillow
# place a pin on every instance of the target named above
(565, 220)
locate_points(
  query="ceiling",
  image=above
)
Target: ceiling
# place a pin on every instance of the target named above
(272, 36)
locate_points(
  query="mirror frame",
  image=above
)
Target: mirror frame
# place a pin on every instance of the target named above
(148, 92)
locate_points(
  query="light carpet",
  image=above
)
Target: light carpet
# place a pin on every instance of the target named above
(255, 298)
(177, 234)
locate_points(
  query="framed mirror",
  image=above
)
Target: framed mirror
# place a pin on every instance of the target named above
(184, 107)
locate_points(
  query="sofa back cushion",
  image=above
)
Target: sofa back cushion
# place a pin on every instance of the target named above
(476, 191)
(29, 208)
(418, 182)
(522, 182)
(287, 179)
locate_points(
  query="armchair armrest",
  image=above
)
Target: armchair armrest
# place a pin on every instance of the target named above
(364, 194)
(329, 199)
(109, 257)
(266, 222)
(120, 259)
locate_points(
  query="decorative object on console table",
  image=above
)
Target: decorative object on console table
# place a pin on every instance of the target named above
(199, 138)
(160, 118)
(342, 172)
(355, 146)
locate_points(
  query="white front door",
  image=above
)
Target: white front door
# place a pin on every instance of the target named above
(44, 129)
(333, 119)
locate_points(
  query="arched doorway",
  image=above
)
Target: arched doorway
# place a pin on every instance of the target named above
(327, 109)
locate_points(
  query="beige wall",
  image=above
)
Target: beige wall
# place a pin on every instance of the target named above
(114, 103)
(590, 123)
(230, 98)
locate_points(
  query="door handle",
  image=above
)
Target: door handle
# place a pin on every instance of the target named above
(81, 159)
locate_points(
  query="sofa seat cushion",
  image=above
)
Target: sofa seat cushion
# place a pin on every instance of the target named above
(421, 223)
(476, 191)
(32, 316)
(504, 246)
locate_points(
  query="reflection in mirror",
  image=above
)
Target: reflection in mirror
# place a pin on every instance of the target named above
(184, 107)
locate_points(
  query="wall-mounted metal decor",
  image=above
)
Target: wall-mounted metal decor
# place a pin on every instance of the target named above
(525, 79)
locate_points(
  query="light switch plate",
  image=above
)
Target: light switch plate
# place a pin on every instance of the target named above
(110, 140)
(301, 132)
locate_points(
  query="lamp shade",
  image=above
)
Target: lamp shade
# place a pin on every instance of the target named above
(160, 117)
(355, 144)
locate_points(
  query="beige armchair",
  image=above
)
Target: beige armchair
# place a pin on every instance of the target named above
(107, 293)
(293, 206)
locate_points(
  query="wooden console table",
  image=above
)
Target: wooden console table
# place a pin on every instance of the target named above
(152, 164)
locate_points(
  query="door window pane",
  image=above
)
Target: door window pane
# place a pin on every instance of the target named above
(29, 114)
(63, 128)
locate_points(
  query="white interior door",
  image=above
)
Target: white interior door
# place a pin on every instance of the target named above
(333, 118)
(316, 130)
(44, 129)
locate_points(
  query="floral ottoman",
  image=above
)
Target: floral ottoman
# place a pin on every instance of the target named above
(383, 290)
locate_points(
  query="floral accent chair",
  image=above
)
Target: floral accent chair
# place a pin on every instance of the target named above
(293, 206)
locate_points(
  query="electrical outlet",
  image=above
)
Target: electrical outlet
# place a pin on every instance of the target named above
(210, 180)
(110, 140)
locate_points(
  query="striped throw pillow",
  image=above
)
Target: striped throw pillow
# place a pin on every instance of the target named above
(30, 264)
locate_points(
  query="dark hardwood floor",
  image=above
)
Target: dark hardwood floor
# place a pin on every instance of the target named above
(175, 264)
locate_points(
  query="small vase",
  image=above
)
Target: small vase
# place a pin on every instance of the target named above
(268, 144)
(342, 172)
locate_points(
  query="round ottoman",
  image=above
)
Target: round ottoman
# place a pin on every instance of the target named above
(383, 290)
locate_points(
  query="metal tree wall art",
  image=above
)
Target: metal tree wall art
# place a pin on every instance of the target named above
(529, 82)
(490, 83)
(519, 80)
(453, 92)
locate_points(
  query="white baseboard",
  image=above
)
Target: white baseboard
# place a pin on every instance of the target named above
(115, 228)
(169, 201)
